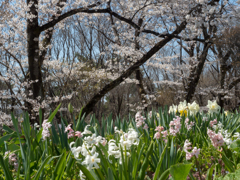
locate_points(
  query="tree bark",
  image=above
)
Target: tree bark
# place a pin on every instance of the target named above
(223, 71)
(195, 73)
(33, 33)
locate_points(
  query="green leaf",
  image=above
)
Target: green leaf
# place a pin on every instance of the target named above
(180, 171)
(159, 164)
(110, 174)
(26, 161)
(70, 164)
(210, 173)
(59, 169)
(7, 129)
(44, 163)
(70, 108)
(85, 171)
(54, 113)
(235, 145)
(165, 175)
(5, 169)
(228, 163)
(145, 162)
(7, 137)
(79, 120)
(136, 163)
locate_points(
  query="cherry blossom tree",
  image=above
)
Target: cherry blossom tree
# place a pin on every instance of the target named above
(138, 31)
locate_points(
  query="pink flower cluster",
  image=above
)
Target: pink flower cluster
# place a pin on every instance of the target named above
(160, 133)
(216, 138)
(46, 125)
(213, 122)
(187, 125)
(71, 132)
(189, 155)
(175, 126)
(12, 158)
(159, 129)
(139, 119)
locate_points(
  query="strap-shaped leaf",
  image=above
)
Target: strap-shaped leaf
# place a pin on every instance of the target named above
(5, 169)
(159, 163)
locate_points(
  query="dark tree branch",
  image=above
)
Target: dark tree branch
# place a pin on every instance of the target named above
(89, 106)
(234, 83)
(109, 11)
(70, 13)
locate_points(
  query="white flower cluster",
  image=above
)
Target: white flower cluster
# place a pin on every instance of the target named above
(228, 138)
(213, 107)
(88, 150)
(183, 108)
(126, 141)
(46, 125)
(89, 156)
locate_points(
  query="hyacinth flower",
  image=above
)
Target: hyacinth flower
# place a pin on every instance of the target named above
(216, 138)
(159, 129)
(91, 161)
(187, 147)
(188, 125)
(70, 131)
(175, 126)
(213, 122)
(46, 125)
(140, 121)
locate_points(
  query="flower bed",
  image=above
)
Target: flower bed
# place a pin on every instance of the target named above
(179, 143)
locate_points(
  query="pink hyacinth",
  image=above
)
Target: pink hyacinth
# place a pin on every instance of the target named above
(68, 128)
(145, 126)
(70, 131)
(213, 122)
(216, 139)
(195, 152)
(175, 126)
(157, 135)
(12, 158)
(186, 147)
(187, 125)
(78, 134)
(188, 155)
(139, 119)
(159, 129)
(104, 142)
(164, 135)
(46, 125)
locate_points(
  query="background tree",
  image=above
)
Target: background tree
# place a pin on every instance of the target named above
(62, 50)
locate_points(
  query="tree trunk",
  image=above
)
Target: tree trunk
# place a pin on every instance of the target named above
(223, 71)
(35, 76)
(195, 74)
